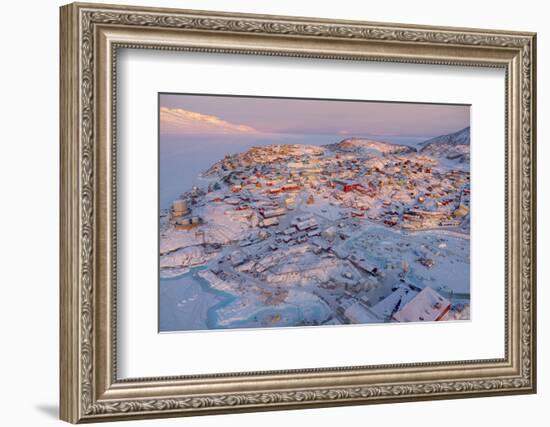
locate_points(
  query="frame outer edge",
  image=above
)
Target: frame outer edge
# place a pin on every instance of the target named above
(69, 355)
(533, 206)
(77, 226)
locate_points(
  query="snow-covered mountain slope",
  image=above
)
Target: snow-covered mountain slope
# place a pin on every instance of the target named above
(453, 146)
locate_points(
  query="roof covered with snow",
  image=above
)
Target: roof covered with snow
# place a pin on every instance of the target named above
(427, 305)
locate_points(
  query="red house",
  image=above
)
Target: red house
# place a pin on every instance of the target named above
(351, 187)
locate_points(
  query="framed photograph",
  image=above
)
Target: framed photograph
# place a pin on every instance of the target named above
(267, 212)
(279, 218)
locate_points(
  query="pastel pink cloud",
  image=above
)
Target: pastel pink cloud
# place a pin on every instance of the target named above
(180, 121)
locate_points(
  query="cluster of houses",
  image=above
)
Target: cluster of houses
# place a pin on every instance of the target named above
(407, 192)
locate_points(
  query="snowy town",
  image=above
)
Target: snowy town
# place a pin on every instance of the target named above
(355, 232)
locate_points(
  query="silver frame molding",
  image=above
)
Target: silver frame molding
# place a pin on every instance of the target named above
(90, 37)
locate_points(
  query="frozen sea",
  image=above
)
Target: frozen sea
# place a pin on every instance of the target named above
(188, 303)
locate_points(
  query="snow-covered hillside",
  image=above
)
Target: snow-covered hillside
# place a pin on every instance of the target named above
(453, 146)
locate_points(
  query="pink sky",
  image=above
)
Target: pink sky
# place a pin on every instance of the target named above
(232, 115)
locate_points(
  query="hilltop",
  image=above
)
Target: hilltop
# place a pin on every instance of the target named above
(365, 146)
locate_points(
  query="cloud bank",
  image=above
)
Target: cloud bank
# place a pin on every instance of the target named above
(174, 121)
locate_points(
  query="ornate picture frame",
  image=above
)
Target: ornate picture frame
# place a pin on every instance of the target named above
(91, 34)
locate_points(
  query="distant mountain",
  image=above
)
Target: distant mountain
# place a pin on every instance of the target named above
(369, 146)
(453, 146)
